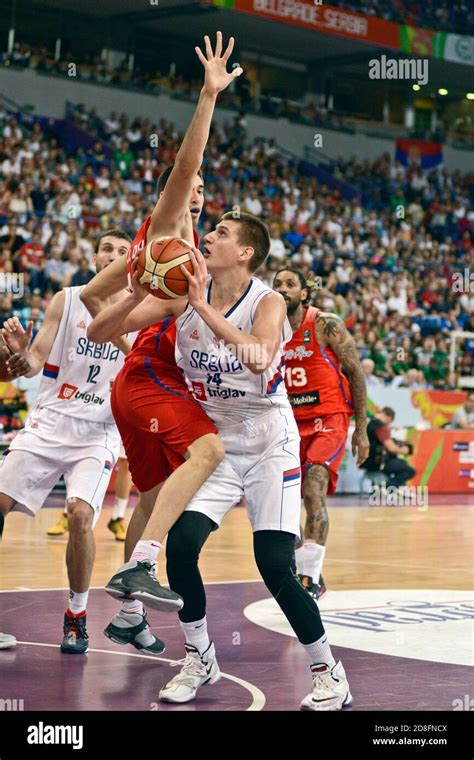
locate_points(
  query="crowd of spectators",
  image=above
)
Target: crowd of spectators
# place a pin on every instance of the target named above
(390, 269)
(445, 15)
(91, 68)
(276, 103)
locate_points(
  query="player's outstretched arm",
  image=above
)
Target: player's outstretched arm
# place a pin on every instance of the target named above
(256, 350)
(105, 284)
(331, 331)
(18, 339)
(173, 205)
(132, 313)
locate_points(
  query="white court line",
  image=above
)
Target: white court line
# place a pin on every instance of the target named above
(96, 588)
(258, 697)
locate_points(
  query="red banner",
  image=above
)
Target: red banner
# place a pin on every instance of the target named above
(325, 18)
(443, 460)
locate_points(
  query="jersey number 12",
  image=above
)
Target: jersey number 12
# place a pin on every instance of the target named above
(94, 370)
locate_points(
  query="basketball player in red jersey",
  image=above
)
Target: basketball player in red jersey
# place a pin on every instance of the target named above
(161, 425)
(323, 401)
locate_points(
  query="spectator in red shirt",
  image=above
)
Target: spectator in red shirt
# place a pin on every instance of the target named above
(32, 259)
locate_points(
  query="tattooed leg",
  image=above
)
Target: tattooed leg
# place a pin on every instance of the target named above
(315, 488)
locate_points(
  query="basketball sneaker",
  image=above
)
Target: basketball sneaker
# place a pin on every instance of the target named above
(59, 528)
(197, 670)
(117, 527)
(76, 638)
(330, 689)
(316, 590)
(7, 641)
(138, 580)
(132, 628)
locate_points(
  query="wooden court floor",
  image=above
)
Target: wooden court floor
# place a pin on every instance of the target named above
(368, 547)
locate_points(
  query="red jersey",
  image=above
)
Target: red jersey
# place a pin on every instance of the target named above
(315, 382)
(155, 345)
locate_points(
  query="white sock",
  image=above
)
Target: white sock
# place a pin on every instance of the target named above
(309, 560)
(320, 652)
(132, 605)
(146, 551)
(77, 602)
(119, 508)
(196, 634)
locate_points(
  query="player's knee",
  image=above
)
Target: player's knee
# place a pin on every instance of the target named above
(208, 450)
(315, 483)
(187, 537)
(80, 516)
(273, 554)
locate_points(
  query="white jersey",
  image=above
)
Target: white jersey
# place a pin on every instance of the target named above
(225, 388)
(78, 374)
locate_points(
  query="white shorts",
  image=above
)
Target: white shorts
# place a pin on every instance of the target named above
(262, 464)
(53, 444)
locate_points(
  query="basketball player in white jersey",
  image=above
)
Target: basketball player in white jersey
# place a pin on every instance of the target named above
(116, 524)
(230, 341)
(70, 431)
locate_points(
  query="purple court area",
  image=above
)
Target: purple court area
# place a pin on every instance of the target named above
(261, 661)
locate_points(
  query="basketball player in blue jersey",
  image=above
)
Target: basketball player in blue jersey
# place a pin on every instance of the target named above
(70, 431)
(230, 341)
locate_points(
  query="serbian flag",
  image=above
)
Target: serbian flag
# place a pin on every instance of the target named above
(426, 154)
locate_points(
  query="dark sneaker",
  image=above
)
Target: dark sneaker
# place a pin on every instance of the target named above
(132, 628)
(138, 581)
(117, 527)
(76, 638)
(317, 590)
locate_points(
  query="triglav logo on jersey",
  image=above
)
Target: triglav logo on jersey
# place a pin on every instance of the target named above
(216, 361)
(68, 392)
(299, 352)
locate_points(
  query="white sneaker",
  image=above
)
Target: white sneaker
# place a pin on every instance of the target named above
(7, 641)
(330, 689)
(197, 670)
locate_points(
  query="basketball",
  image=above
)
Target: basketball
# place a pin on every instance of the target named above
(159, 267)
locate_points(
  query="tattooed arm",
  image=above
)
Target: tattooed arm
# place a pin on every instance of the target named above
(331, 331)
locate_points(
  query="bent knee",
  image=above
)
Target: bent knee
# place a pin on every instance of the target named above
(209, 450)
(80, 516)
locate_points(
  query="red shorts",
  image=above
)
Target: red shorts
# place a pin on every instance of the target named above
(323, 441)
(157, 422)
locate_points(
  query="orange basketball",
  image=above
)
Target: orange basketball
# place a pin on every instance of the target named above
(159, 264)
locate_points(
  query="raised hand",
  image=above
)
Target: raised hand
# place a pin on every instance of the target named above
(217, 78)
(16, 364)
(198, 279)
(15, 336)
